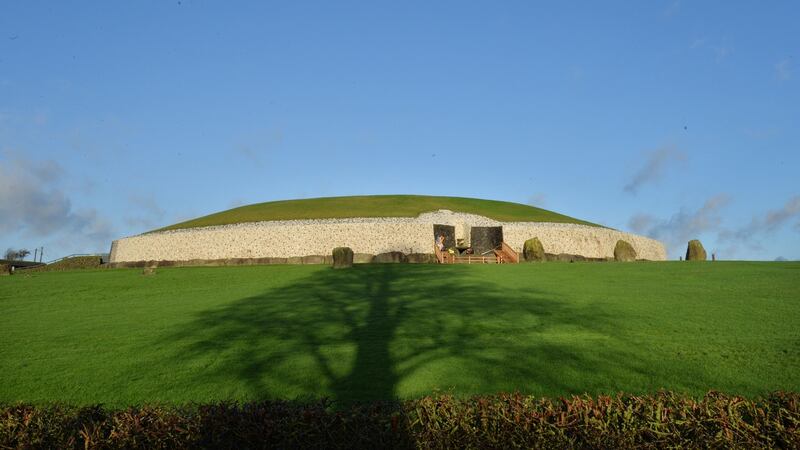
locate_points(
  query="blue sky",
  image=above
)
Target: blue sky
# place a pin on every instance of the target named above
(673, 119)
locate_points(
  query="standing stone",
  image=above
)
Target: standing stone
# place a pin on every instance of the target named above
(624, 251)
(342, 257)
(149, 268)
(533, 250)
(695, 251)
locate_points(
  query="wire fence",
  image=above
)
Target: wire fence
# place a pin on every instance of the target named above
(102, 256)
(30, 265)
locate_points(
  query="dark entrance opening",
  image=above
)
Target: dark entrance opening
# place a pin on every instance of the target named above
(449, 233)
(485, 239)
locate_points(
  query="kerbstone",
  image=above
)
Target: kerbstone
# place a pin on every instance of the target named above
(533, 250)
(342, 257)
(623, 251)
(390, 257)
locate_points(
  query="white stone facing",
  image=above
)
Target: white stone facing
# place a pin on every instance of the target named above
(289, 238)
(591, 242)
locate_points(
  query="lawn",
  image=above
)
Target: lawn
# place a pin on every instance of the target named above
(389, 331)
(375, 206)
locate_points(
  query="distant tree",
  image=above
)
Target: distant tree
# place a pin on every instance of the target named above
(12, 254)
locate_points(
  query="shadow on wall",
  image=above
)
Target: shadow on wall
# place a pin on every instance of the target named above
(387, 331)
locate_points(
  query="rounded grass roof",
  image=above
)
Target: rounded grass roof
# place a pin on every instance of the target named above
(375, 206)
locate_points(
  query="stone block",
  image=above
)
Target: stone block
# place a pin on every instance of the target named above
(533, 250)
(313, 259)
(363, 258)
(695, 251)
(342, 257)
(623, 251)
(390, 257)
(421, 258)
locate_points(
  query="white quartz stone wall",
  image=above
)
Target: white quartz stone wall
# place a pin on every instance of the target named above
(591, 242)
(364, 235)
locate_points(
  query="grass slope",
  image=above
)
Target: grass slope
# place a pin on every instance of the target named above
(384, 331)
(375, 206)
(71, 263)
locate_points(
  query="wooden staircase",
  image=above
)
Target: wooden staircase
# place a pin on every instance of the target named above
(502, 255)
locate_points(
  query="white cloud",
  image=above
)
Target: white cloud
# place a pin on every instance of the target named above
(254, 148)
(697, 43)
(654, 167)
(783, 70)
(684, 225)
(538, 199)
(33, 203)
(147, 212)
(250, 154)
(720, 51)
(672, 9)
(641, 223)
(765, 223)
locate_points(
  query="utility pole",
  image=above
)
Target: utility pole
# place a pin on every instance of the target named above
(41, 254)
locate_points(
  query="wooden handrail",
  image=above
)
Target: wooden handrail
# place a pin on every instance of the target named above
(505, 254)
(510, 252)
(439, 256)
(470, 259)
(498, 254)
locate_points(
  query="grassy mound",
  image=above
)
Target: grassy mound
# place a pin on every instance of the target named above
(73, 263)
(375, 206)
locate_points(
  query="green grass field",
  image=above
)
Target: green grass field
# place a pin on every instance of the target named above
(375, 206)
(386, 331)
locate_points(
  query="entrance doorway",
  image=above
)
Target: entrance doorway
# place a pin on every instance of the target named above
(449, 233)
(485, 239)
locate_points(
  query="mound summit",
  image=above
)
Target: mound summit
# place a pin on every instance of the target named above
(375, 206)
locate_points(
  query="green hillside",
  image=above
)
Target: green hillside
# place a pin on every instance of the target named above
(375, 206)
(70, 263)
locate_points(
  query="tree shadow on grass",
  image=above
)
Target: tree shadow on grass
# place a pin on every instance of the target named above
(379, 332)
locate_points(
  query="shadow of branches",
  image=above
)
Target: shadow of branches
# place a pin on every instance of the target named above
(379, 332)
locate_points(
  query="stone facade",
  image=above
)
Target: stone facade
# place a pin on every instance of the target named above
(296, 238)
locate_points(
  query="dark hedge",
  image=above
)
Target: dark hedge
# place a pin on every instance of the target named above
(499, 421)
